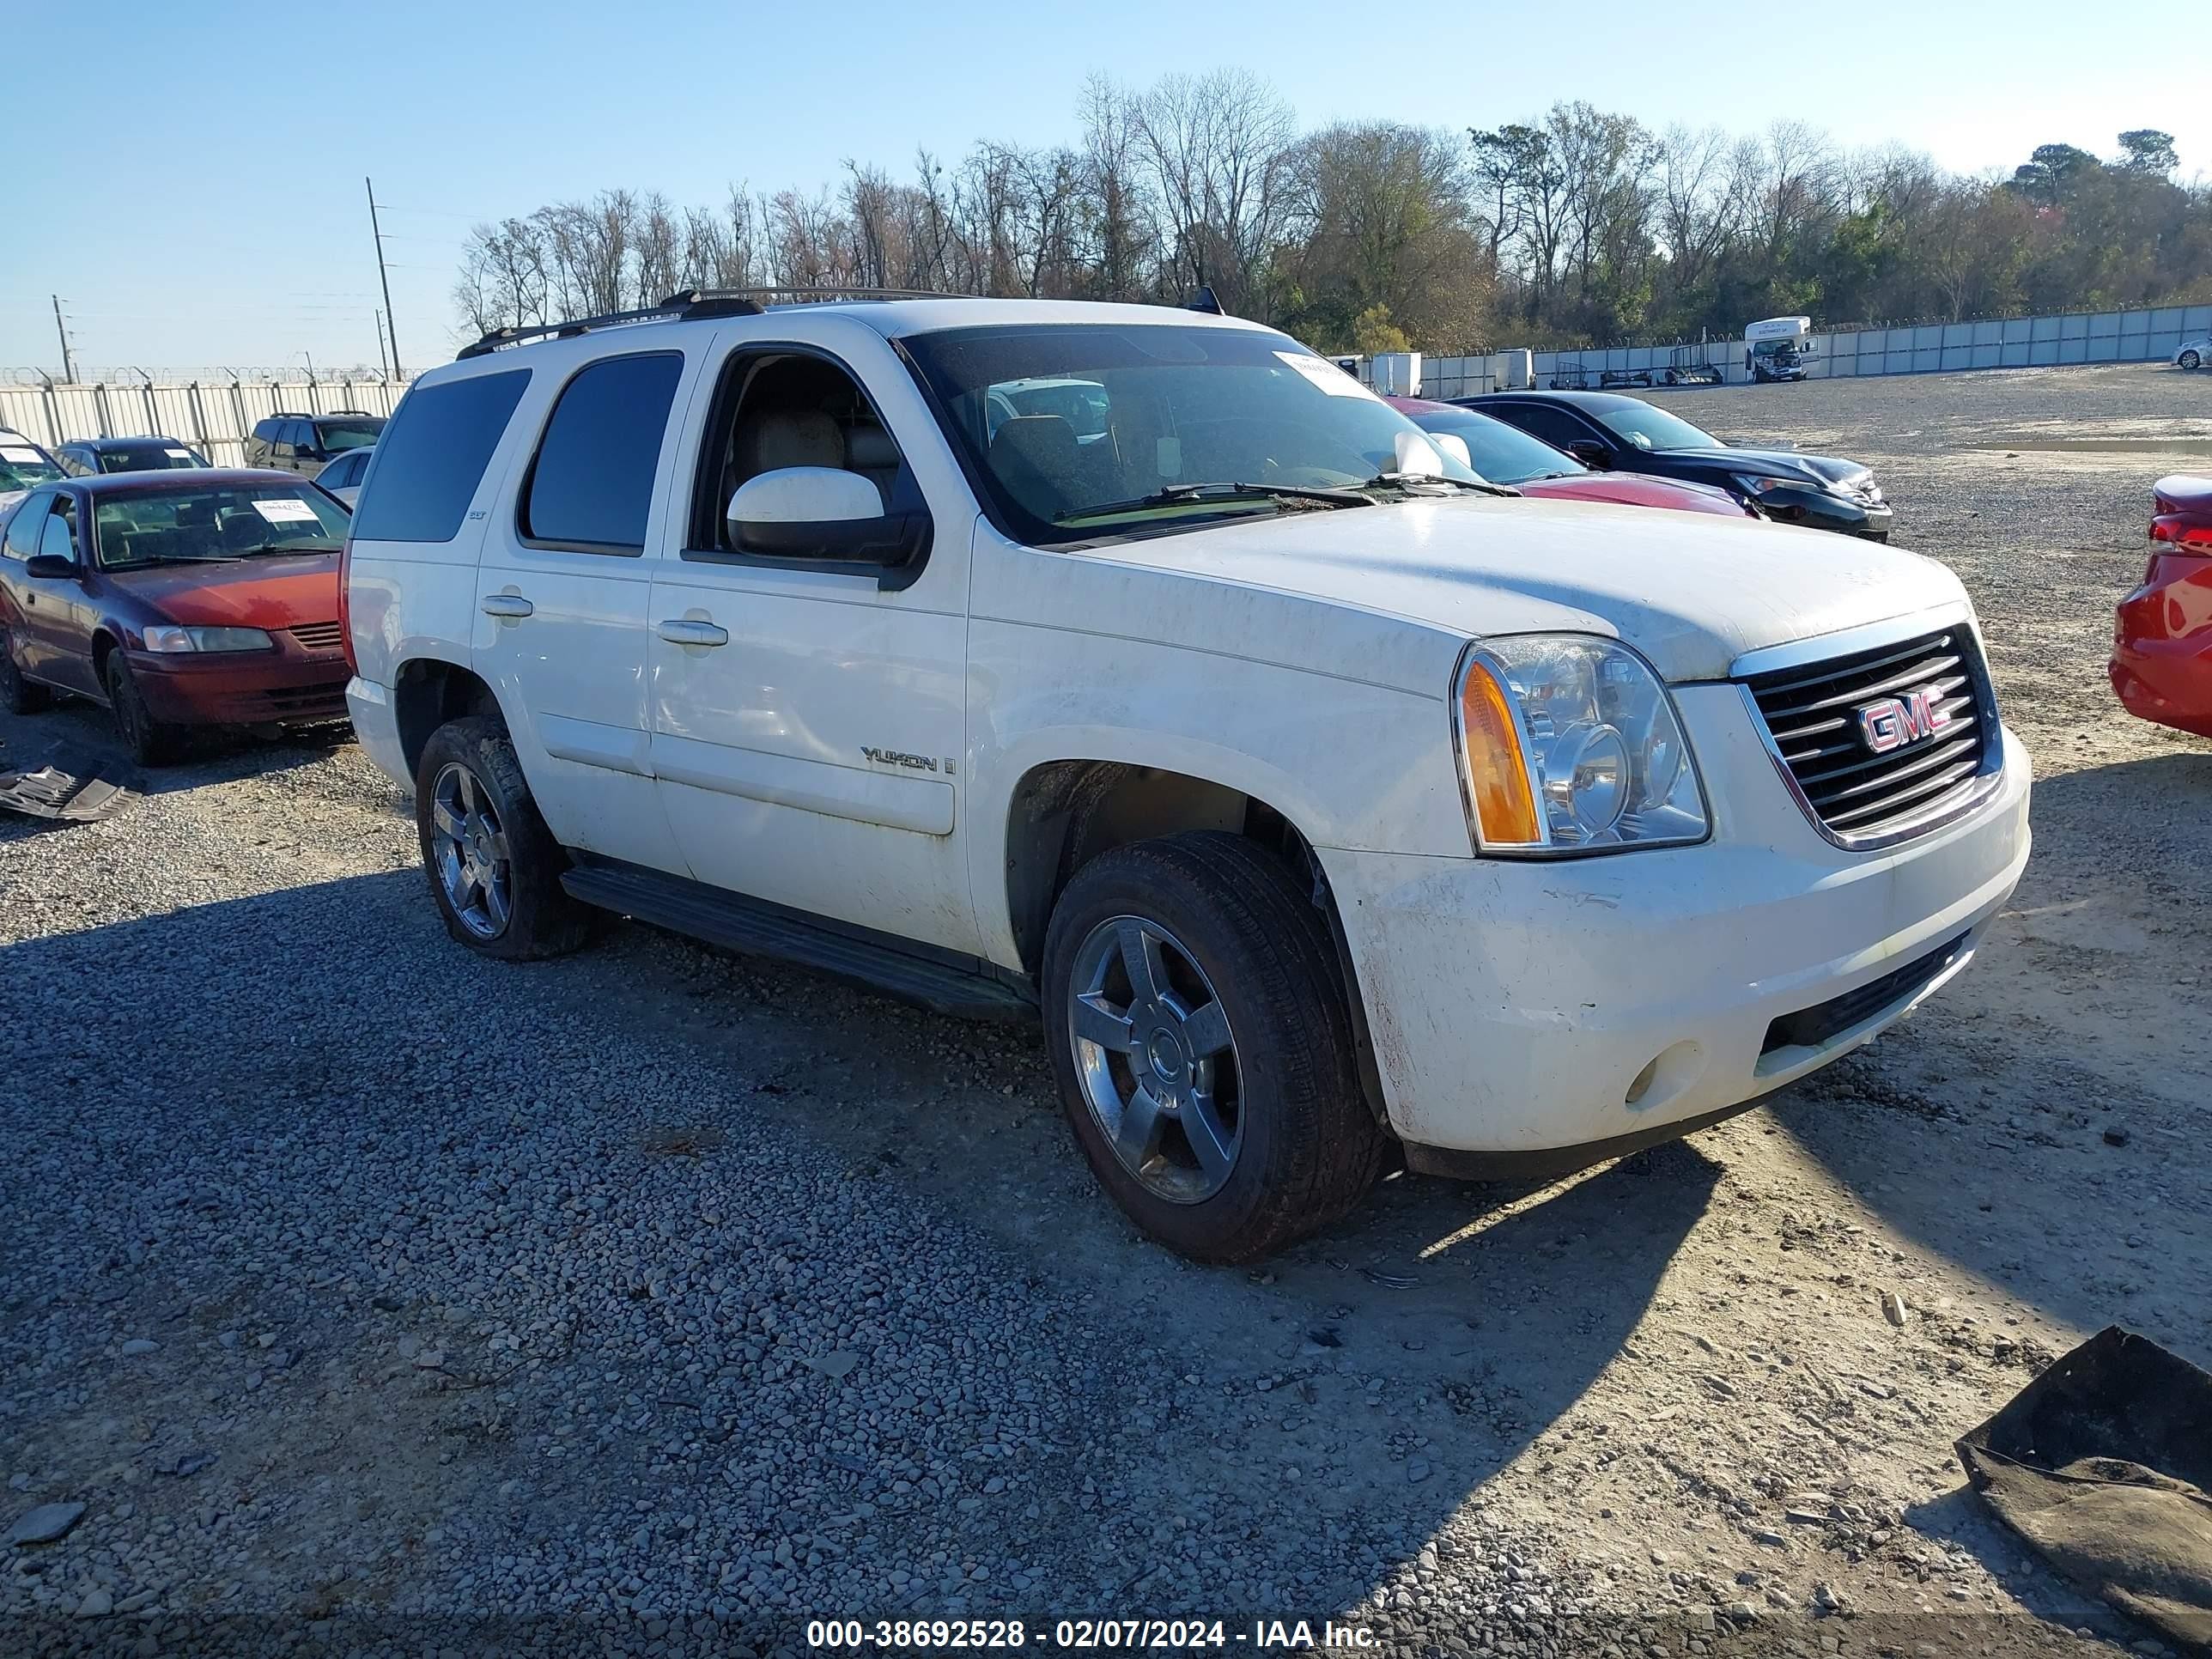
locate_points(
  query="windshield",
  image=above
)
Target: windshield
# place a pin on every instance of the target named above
(1080, 430)
(1502, 453)
(22, 466)
(155, 455)
(337, 436)
(1650, 428)
(223, 521)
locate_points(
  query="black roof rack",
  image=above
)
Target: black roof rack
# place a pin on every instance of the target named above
(346, 412)
(693, 303)
(289, 415)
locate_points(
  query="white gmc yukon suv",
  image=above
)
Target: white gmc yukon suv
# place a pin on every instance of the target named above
(1139, 668)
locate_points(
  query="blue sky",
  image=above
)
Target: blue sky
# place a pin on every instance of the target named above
(208, 164)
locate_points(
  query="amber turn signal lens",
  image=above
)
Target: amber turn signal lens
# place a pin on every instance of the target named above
(1496, 774)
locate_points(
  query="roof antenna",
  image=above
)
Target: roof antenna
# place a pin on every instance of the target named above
(1204, 300)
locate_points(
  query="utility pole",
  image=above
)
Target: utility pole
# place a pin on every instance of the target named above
(391, 322)
(69, 368)
(383, 362)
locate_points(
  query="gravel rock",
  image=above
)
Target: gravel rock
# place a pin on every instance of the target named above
(46, 1523)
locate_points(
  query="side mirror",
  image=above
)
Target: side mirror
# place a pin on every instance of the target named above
(1453, 446)
(1591, 454)
(51, 567)
(822, 512)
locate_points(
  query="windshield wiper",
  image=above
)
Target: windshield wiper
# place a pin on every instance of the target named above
(1177, 493)
(285, 547)
(181, 558)
(1400, 480)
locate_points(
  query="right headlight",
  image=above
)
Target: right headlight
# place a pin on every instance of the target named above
(1571, 745)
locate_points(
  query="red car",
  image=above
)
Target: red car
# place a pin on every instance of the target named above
(2162, 638)
(178, 598)
(1505, 454)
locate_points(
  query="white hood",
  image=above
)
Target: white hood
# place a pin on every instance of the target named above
(1691, 591)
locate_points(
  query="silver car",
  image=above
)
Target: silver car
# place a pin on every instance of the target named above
(343, 476)
(2193, 353)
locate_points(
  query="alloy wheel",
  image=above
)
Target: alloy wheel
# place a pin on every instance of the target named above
(1156, 1059)
(469, 848)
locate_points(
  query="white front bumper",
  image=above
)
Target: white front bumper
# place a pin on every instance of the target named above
(1515, 1005)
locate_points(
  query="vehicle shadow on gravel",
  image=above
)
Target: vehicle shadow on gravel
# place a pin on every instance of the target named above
(2037, 1122)
(216, 756)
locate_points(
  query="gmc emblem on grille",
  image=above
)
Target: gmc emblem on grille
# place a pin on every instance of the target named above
(1895, 722)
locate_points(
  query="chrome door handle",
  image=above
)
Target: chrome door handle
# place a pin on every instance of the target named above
(684, 630)
(505, 604)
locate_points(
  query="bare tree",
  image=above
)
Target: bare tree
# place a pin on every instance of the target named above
(1216, 146)
(1118, 216)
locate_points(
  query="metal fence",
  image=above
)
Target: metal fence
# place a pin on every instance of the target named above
(2080, 337)
(214, 415)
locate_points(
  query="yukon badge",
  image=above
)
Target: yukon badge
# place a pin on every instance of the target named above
(1895, 722)
(895, 757)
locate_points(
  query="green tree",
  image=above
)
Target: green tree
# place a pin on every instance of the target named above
(1372, 331)
(2147, 150)
(2051, 173)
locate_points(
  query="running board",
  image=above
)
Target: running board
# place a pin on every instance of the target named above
(965, 988)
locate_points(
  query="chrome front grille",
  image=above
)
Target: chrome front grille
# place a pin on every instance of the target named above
(1886, 741)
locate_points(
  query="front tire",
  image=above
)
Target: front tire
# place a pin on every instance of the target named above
(1203, 1047)
(150, 743)
(495, 868)
(2189, 360)
(17, 694)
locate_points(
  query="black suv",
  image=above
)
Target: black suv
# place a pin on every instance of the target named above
(306, 444)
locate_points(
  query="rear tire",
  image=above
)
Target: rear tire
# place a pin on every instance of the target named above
(17, 694)
(495, 868)
(150, 742)
(1221, 1107)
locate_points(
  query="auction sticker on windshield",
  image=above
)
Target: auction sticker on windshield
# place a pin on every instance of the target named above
(178, 455)
(22, 456)
(286, 511)
(1325, 374)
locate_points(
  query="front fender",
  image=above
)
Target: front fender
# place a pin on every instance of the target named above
(1347, 764)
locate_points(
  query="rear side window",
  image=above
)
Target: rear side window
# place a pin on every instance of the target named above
(1555, 427)
(591, 487)
(432, 457)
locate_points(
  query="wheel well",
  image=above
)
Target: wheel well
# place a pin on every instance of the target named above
(103, 646)
(428, 693)
(1065, 813)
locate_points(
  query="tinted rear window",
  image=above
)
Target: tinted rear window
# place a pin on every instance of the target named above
(432, 457)
(591, 485)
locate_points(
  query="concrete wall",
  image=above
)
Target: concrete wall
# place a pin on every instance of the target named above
(2082, 337)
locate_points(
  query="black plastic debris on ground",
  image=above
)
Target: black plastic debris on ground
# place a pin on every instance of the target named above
(70, 785)
(2103, 1463)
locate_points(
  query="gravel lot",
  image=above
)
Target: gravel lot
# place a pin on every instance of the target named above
(368, 1293)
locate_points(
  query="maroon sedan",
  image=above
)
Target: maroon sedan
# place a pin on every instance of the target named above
(1505, 454)
(2161, 664)
(183, 599)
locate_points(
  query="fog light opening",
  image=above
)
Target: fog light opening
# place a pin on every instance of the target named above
(1673, 1073)
(1642, 1086)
